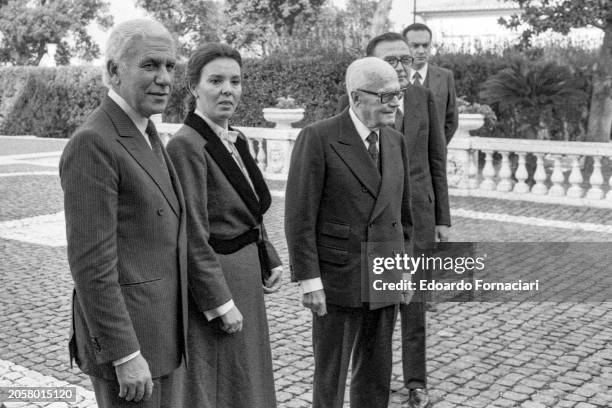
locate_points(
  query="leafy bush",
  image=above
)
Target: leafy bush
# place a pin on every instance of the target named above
(52, 102)
(539, 97)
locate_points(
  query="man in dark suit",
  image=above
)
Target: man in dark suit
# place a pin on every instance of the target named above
(125, 224)
(438, 79)
(348, 201)
(427, 151)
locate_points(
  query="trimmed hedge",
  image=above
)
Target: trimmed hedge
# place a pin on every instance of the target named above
(52, 102)
(49, 102)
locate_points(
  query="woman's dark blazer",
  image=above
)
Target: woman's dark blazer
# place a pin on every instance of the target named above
(219, 202)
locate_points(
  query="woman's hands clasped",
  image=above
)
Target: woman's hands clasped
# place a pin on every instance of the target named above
(273, 283)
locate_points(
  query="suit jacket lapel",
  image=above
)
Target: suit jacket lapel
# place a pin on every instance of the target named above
(133, 141)
(434, 81)
(226, 163)
(389, 173)
(261, 188)
(352, 151)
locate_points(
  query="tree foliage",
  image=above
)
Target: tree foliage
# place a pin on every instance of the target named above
(26, 27)
(191, 21)
(558, 15)
(257, 21)
(561, 16)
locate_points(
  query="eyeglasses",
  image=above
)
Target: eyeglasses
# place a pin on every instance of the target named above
(386, 97)
(404, 59)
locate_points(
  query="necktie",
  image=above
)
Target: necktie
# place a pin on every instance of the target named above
(372, 148)
(230, 137)
(399, 119)
(417, 79)
(156, 144)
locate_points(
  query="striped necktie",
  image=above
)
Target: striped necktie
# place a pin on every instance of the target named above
(156, 144)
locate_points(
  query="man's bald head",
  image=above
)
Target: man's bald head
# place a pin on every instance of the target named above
(369, 81)
(368, 73)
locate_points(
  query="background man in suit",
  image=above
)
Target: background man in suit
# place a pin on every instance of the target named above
(427, 151)
(349, 185)
(125, 226)
(438, 79)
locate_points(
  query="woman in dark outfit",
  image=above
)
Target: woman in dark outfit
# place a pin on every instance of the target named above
(230, 363)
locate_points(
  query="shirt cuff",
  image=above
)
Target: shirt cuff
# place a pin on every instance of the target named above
(126, 358)
(311, 285)
(219, 311)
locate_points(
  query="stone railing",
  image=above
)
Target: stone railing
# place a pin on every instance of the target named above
(515, 169)
(532, 170)
(270, 147)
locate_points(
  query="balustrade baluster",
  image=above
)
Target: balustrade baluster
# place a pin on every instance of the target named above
(488, 173)
(251, 145)
(473, 170)
(539, 176)
(557, 178)
(609, 195)
(596, 180)
(262, 157)
(288, 151)
(575, 179)
(521, 175)
(505, 174)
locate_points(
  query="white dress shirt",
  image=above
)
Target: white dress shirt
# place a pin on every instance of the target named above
(422, 72)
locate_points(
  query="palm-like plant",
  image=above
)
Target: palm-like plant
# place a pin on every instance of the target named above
(536, 95)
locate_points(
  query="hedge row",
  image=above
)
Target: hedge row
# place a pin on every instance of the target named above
(52, 102)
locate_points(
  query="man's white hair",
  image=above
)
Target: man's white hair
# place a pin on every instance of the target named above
(368, 73)
(122, 36)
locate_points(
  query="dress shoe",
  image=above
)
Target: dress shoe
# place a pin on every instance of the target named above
(418, 398)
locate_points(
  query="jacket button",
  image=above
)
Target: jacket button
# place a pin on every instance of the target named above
(394, 223)
(372, 225)
(363, 189)
(160, 211)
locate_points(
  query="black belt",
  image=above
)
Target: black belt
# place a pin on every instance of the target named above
(229, 246)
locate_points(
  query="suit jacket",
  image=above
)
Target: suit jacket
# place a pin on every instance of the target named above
(125, 224)
(220, 204)
(427, 152)
(336, 200)
(440, 81)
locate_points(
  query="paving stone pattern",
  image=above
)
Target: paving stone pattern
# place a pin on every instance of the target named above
(487, 354)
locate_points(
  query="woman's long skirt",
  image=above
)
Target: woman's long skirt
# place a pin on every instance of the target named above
(231, 370)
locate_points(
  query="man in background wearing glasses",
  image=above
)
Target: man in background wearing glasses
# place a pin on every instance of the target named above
(349, 186)
(417, 120)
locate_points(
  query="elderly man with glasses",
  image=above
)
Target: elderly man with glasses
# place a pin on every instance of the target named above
(347, 202)
(416, 119)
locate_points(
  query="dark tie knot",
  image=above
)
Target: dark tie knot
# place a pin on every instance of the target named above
(150, 130)
(372, 138)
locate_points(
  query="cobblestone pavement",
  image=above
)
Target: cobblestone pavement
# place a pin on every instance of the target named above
(511, 354)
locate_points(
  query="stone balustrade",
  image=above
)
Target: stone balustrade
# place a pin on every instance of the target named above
(271, 147)
(531, 170)
(515, 169)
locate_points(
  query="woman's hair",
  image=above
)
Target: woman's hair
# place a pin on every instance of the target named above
(202, 56)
